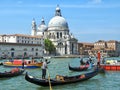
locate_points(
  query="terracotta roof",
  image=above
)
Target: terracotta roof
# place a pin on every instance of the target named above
(22, 35)
(23, 44)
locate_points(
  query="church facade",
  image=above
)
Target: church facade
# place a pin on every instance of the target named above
(58, 32)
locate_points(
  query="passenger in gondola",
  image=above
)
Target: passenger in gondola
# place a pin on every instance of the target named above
(44, 67)
(90, 60)
(15, 70)
(11, 60)
(82, 62)
(87, 63)
(22, 64)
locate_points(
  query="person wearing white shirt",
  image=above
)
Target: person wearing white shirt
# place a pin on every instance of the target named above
(44, 67)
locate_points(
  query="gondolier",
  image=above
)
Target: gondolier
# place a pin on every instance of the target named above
(44, 67)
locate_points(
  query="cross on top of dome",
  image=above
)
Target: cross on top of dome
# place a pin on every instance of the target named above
(42, 21)
(58, 11)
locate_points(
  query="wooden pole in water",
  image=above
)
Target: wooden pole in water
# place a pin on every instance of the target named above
(49, 80)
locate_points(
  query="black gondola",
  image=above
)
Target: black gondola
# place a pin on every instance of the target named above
(78, 68)
(61, 80)
(1, 63)
(10, 74)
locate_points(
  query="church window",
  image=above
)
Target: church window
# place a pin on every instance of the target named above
(61, 34)
(57, 34)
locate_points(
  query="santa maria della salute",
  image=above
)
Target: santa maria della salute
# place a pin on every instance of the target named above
(33, 45)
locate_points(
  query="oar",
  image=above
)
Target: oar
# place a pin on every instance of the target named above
(49, 80)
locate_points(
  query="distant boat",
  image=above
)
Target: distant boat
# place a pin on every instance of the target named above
(27, 63)
(1, 63)
(112, 65)
(46, 57)
(11, 74)
(80, 68)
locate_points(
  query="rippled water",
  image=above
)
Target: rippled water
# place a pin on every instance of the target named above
(108, 81)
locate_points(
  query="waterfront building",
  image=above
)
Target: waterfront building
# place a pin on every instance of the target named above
(18, 45)
(58, 32)
(84, 48)
(107, 48)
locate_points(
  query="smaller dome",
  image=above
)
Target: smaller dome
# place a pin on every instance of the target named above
(42, 28)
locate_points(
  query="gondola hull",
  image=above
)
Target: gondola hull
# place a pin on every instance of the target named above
(63, 80)
(9, 74)
(78, 68)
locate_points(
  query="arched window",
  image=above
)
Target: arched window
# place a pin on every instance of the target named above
(32, 49)
(36, 54)
(25, 54)
(57, 34)
(61, 35)
(36, 49)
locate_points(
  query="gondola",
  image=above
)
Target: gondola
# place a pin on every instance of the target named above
(61, 80)
(1, 63)
(11, 74)
(80, 68)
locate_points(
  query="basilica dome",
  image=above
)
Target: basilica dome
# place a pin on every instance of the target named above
(58, 22)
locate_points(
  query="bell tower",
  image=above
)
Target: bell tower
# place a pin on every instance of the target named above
(34, 28)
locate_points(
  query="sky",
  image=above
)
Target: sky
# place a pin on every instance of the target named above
(88, 20)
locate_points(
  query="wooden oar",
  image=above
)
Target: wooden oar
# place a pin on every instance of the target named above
(49, 80)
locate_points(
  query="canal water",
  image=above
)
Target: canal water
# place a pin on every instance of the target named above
(59, 66)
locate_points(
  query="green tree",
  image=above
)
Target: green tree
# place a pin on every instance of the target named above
(49, 46)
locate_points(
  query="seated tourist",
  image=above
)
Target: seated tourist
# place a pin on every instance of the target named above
(15, 70)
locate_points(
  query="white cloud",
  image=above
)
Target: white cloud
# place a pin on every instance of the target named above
(19, 2)
(96, 1)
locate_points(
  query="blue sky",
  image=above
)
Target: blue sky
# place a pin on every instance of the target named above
(88, 20)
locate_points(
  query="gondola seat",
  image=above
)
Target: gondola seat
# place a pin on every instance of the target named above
(60, 78)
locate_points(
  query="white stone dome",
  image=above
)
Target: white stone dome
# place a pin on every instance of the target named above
(42, 28)
(58, 22)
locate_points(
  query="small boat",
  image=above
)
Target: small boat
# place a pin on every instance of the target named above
(80, 68)
(19, 63)
(61, 80)
(115, 67)
(112, 65)
(109, 64)
(1, 63)
(11, 73)
(47, 57)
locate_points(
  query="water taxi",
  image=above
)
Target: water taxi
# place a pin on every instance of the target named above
(113, 65)
(19, 63)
